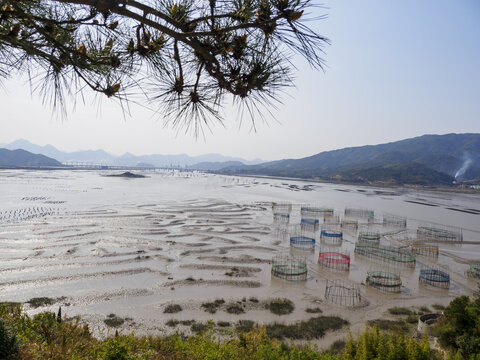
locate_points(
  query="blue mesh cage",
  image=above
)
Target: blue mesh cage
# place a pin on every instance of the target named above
(281, 217)
(330, 233)
(302, 241)
(434, 275)
(310, 221)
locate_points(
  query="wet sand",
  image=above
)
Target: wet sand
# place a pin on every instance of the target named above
(109, 245)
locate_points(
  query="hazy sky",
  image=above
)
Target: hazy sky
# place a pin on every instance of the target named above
(395, 69)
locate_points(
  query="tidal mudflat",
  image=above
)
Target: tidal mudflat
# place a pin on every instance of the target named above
(173, 250)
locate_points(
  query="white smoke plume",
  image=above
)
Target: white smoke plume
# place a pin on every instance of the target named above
(467, 161)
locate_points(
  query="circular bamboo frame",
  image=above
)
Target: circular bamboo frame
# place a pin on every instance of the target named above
(289, 268)
(344, 294)
(302, 242)
(369, 237)
(384, 281)
(281, 217)
(334, 260)
(332, 237)
(315, 212)
(310, 224)
(360, 213)
(388, 254)
(474, 271)
(434, 277)
(331, 219)
(425, 250)
(394, 220)
(436, 234)
(284, 208)
(349, 224)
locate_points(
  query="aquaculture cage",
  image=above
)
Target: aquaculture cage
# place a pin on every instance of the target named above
(349, 224)
(406, 236)
(281, 208)
(376, 228)
(394, 221)
(334, 260)
(289, 268)
(310, 224)
(344, 293)
(388, 254)
(369, 237)
(280, 232)
(427, 233)
(302, 242)
(281, 218)
(311, 212)
(331, 219)
(303, 230)
(425, 321)
(359, 213)
(384, 281)
(428, 250)
(330, 236)
(474, 271)
(434, 277)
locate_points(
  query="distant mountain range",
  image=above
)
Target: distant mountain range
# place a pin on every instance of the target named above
(215, 166)
(427, 159)
(127, 159)
(22, 158)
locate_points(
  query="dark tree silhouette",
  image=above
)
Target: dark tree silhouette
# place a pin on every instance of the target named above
(183, 56)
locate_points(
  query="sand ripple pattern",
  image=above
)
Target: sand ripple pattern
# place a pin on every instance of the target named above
(91, 258)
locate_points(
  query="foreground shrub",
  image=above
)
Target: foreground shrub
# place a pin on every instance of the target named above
(376, 344)
(43, 337)
(386, 324)
(8, 342)
(459, 328)
(114, 349)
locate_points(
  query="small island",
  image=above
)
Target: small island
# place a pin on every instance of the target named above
(127, 174)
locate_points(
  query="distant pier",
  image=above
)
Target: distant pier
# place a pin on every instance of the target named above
(75, 165)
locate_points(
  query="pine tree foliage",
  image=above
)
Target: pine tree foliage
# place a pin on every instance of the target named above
(374, 344)
(8, 342)
(184, 56)
(458, 329)
(42, 337)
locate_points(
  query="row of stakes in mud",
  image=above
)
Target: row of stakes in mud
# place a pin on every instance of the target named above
(293, 268)
(310, 216)
(15, 215)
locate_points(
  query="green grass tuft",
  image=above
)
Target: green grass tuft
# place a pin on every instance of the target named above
(280, 306)
(41, 301)
(438, 307)
(113, 320)
(245, 325)
(199, 327)
(234, 308)
(172, 309)
(315, 310)
(400, 311)
(313, 328)
(387, 325)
